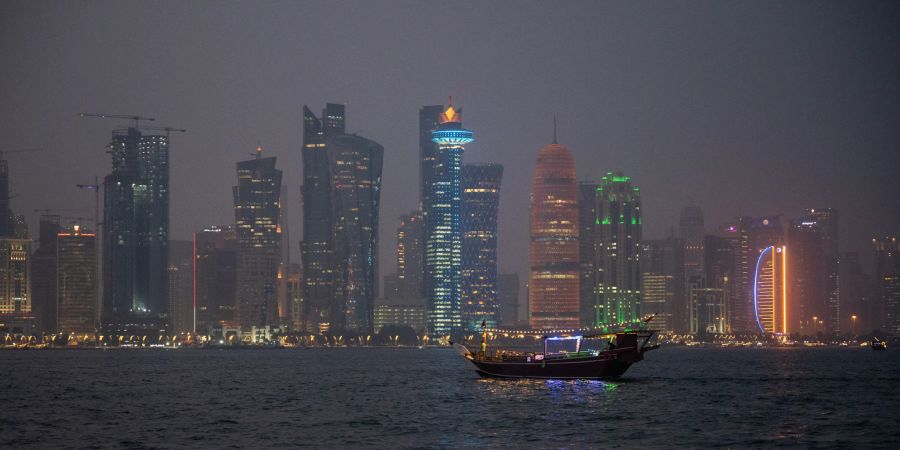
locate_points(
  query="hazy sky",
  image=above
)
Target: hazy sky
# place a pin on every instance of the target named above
(739, 107)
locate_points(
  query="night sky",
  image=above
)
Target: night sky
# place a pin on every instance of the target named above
(739, 107)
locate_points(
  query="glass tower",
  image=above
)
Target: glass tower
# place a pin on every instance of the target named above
(480, 205)
(618, 250)
(443, 246)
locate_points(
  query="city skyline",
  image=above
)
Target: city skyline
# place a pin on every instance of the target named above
(814, 154)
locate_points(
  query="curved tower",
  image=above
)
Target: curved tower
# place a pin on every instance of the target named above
(770, 302)
(443, 246)
(553, 292)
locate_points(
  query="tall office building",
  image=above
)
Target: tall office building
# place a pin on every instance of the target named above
(76, 282)
(720, 265)
(857, 295)
(258, 231)
(767, 288)
(887, 273)
(737, 274)
(136, 235)
(663, 293)
(215, 278)
(478, 266)
(43, 274)
(442, 209)
(508, 295)
(356, 164)
(15, 277)
(619, 222)
(410, 254)
(824, 221)
(707, 308)
(808, 290)
(429, 119)
(317, 246)
(587, 226)
(554, 253)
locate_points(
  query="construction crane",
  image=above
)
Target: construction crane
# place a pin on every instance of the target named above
(135, 118)
(20, 150)
(48, 211)
(168, 130)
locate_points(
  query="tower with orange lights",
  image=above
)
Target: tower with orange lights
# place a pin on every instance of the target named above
(770, 292)
(553, 293)
(441, 208)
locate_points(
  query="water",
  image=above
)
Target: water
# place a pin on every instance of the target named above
(402, 398)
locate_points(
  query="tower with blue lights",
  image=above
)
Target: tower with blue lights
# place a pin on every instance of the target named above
(441, 207)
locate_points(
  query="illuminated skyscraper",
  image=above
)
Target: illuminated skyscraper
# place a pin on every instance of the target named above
(691, 232)
(553, 286)
(429, 119)
(181, 296)
(356, 164)
(662, 284)
(619, 222)
(76, 281)
(136, 235)
(15, 282)
(256, 216)
(443, 246)
(480, 206)
(317, 246)
(770, 292)
(809, 296)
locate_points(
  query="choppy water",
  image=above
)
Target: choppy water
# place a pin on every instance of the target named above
(430, 398)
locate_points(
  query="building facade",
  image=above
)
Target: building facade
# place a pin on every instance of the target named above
(43, 274)
(887, 278)
(618, 241)
(587, 228)
(76, 264)
(478, 266)
(215, 278)
(136, 235)
(442, 214)
(554, 252)
(410, 254)
(663, 292)
(258, 233)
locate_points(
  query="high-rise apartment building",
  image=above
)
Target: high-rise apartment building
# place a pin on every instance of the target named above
(618, 242)
(478, 266)
(76, 266)
(136, 235)
(258, 232)
(554, 253)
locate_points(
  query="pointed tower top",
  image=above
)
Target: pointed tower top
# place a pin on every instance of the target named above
(450, 114)
(554, 129)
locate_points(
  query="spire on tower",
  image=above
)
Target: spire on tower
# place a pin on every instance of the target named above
(554, 129)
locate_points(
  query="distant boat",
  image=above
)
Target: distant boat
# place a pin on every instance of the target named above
(878, 344)
(620, 350)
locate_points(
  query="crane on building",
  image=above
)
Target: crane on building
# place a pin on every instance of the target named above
(20, 150)
(136, 118)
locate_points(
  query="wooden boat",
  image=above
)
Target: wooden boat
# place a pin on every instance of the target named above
(617, 352)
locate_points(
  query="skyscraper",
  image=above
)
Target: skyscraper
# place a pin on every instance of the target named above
(356, 164)
(554, 252)
(317, 246)
(663, 293)
(443, 246)
(5, 212)
(619, 222)
(256, 217)
(587, 216)
(76, 303)
(181, 298)
(215, 278)
(480, 207)
(410, 254)
(136, 235)
(825, 222)
(429, 119)
(691, 232)
(809, 295)
(720, 264)
(15, 282)
(43, 274)
(887, 272)
(508, 293)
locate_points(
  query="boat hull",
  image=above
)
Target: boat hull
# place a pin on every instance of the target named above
(609, 365)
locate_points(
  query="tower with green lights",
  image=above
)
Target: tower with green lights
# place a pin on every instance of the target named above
(617, 250)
